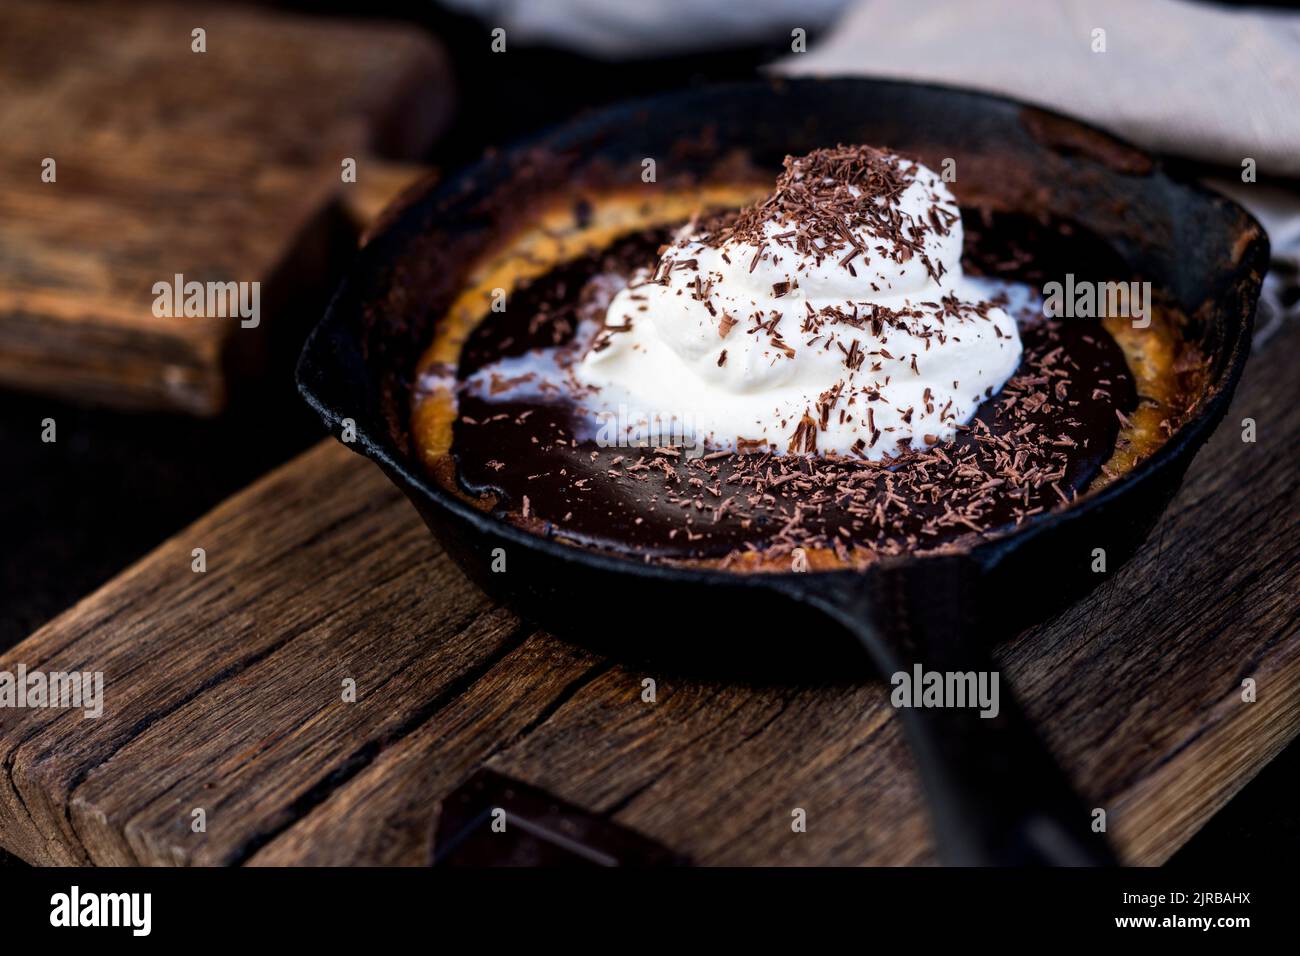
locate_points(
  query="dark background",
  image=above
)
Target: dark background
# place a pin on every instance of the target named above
(75, 512)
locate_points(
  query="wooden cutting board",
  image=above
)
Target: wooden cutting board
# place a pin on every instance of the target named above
(224, 690)
(220, 166)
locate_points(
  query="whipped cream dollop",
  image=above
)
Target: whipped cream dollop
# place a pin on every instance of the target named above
(832, 316)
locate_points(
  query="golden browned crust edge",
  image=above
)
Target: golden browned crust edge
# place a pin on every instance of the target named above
(1167, 371)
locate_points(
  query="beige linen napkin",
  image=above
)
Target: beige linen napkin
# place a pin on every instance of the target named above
(1206, 82)
(1210, 83)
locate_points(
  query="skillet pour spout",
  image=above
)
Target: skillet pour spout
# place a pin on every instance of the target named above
(996, 795)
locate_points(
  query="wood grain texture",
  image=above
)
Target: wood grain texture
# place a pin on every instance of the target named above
(223, 691)
(218, 166)
(384, 814)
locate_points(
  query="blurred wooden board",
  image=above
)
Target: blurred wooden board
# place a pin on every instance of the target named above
(219, 166)
(224, 691)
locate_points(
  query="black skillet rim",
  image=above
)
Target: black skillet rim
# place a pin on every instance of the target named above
(987, 552)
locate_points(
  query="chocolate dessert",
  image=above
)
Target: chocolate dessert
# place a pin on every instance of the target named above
(846, 367)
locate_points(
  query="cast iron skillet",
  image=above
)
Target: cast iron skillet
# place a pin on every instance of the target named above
(995, 794)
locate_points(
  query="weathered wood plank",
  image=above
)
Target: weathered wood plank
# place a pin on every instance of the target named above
(717, 771)
(385, 815)
(223, 691)
(1140, 687)
(216, 165)
(1137, 691)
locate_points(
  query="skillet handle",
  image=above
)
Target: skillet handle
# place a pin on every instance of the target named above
(996, 796)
